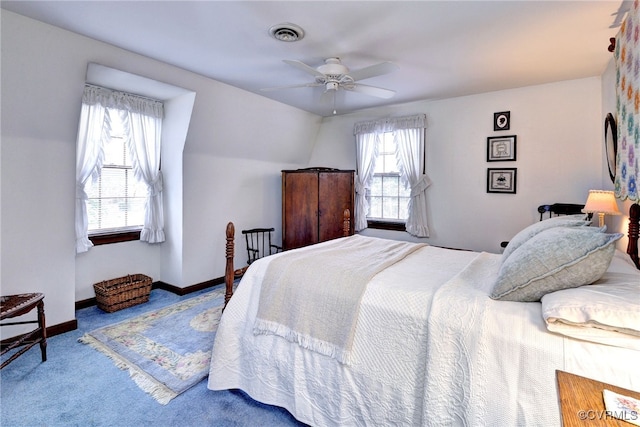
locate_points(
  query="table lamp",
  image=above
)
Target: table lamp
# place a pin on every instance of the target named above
(603, 203)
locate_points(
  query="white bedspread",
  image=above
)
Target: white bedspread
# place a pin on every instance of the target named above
(430, 349)
(325, 284)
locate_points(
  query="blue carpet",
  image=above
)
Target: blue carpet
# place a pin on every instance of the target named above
(79, 386)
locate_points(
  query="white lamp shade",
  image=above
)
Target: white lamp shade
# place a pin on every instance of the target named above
(600, 201)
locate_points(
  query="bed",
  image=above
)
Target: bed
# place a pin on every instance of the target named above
(437, 336)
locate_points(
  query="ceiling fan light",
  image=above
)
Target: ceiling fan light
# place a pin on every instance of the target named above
(286, 32)
(331, 86)
(333, 67)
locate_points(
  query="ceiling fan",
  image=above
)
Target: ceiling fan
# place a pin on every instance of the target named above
(333, 75)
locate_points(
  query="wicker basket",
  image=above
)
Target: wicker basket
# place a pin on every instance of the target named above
(116, 294)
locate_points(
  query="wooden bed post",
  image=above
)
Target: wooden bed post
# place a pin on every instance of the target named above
(634, 231)
(228, 272)
(346, 223)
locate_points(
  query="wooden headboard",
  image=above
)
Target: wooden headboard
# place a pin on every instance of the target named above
(634, 231)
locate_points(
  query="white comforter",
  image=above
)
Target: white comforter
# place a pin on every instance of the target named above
(431, 348)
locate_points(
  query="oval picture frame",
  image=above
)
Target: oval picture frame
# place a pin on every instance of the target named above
(611, 144)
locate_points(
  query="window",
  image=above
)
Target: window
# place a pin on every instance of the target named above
(391, 180)
(111, 204)
(388, 198)
(116, 198)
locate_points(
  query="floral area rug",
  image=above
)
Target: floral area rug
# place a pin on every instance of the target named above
(166, 351)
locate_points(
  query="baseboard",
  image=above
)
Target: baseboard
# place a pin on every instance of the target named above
(89, 302)
(189, 289)
(85, 303)
(73, 324)
(61, 328)
(58, 329)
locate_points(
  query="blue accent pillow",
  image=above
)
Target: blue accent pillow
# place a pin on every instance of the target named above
(535, 228)
(554, 259)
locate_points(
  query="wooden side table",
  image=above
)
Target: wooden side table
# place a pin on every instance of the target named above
(582, 404)
(17, 305)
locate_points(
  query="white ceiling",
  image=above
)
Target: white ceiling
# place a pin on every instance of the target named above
(443, 49)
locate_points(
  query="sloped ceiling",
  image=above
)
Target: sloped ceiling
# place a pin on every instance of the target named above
(443, 49)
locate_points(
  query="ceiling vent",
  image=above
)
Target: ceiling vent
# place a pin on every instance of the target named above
(286, 32)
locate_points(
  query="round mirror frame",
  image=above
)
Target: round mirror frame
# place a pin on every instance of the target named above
(611, 144)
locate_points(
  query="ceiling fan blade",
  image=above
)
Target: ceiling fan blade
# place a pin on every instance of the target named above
(304, 67)
(269, 89)
(373, 70)
(372, 91)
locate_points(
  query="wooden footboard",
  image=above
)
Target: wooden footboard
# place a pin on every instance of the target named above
(229, 272)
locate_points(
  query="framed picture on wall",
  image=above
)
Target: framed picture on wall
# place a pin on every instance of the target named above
(502, 120)
(501, 148)
(501, 180)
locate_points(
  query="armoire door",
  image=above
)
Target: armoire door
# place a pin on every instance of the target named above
(299, 209)
(335, 194)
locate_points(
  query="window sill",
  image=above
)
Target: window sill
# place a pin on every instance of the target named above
(105, 239)
(386, 225)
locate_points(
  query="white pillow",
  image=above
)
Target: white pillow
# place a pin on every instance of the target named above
(622, 263)
(596, 335)
(554, 259)
(607, 312)
(612, 303)
(528, 232)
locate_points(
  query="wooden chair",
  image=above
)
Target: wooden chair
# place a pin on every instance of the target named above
(17, 305)
(258, 245)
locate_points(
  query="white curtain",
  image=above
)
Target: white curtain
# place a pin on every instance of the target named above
(366, 153)
(410, 158)
(142, 120)
(94, 128)
(144, 130)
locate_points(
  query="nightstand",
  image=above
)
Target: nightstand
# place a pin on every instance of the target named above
(581, 402)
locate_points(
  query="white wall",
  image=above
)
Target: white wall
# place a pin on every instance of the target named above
(236, 146)
(43, 73)
(619, 223)
(559, 157)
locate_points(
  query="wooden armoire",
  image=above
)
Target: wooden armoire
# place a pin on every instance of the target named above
(313, 202)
